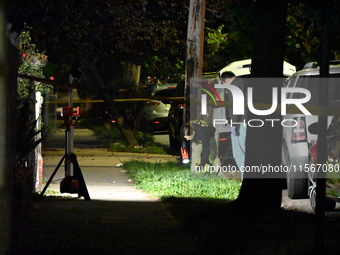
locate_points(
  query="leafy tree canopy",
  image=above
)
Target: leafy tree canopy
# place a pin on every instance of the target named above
(101, 34)
(229, 38)
(104, 33)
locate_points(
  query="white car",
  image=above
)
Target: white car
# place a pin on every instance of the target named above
(240, 68)
(297, 140)
(157, 111)
(243, 68)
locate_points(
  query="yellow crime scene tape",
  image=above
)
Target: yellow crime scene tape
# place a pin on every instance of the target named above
(115, 100)
(314, 110)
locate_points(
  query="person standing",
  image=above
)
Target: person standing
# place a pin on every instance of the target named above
(238, 122)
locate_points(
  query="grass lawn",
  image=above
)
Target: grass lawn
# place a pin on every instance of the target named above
(204, 207)
(165, 180)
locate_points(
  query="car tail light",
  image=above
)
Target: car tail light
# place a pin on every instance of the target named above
(299, 131)
(152, 103)
(156, 122)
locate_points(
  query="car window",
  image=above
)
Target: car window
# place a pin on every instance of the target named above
(312, 84)
(165, 93)
(334, 92)
(292, 81)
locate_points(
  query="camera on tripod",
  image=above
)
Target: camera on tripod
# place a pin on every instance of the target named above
(74, 181)
(68, 114)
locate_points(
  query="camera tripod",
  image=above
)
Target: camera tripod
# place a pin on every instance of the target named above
(72, 183)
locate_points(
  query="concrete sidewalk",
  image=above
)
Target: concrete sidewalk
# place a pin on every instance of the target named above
(103, 171)
(104, 175)
(119, 219)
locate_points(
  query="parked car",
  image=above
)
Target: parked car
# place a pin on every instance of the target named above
(156, 111)
(243, 68)
(165, 84)
(175, 116)
(297, 139)
(331, 167)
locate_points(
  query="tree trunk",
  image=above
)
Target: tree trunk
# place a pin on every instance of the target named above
(132, 73)
(114, 110)
(322, 137)
(263, 145)
(120, 120)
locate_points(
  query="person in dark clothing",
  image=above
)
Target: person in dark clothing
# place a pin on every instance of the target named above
(237, 122)
(204, 139)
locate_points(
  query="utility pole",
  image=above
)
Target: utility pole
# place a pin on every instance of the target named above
(194, 56)
(70, 130)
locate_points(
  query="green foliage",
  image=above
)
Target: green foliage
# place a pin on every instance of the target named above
(101, 34)
(27, 141)
(151, 147)
(304, 31)
(108, 135)
(33, 63)
(230, 38)
(302, 34)
(227, 34)
(170, 179)
(216, 40)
